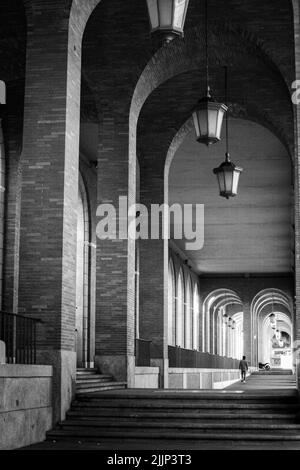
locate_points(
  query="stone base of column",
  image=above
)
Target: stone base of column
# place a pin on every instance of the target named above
(163, 365)
(121, 368)
(64, 379)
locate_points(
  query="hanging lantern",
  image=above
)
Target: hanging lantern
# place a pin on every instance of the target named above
(228, 178)
(225, 318)
(167, 17)
(228, 173)
(233, 324)
(229, 322)
(208, 114)
(208, 118)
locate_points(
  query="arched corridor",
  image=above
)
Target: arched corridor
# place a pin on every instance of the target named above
(149, 220)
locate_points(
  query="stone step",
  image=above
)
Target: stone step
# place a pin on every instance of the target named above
(99, 387)
(267, 414)
(178, 425)
(106, 400)
(94, 434)
(96, 384)
(224, 410)
(91, 374)
(94, 379)
(231, 416)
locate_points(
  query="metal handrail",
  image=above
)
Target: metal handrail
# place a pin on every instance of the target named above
(37, 320)
(19, 333)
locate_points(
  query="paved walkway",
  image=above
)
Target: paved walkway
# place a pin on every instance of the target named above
(262, 381)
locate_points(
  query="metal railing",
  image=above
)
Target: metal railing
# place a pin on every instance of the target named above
(142, 352)
(19, 335)
(186, 358)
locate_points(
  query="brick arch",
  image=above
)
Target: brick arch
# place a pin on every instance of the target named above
(180, 56)
(212, 303)
(264, 298)
(271, 106)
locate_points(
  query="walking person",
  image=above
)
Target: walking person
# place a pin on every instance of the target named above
(243, 366)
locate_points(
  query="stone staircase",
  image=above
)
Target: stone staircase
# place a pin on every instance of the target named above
(169, 419)
(90, 381)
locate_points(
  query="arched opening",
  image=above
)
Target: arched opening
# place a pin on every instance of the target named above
(196, 318)
(223, 324)
(272, 329)
(171, 305)
(82, 279)
(188, 316)
(180, 311)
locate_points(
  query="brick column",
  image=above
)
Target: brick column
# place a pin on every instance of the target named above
(12, 137)
(49, 163)
(115, 278)
(154, 258)
(250, 343)
(297, 196)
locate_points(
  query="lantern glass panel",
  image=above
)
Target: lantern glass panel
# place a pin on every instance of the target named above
(221, 181)
(212, 116)
(153, 13)
(220, 122)
(179, 13)
(228, 176)
(200, 122)
(235, 182)
(166, 13)
(196, 124)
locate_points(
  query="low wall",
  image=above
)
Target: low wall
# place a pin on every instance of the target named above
(199, 379)
(25, 405)
(146, 377)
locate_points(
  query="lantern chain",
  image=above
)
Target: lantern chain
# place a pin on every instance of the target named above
(207, 49)
(227, 114)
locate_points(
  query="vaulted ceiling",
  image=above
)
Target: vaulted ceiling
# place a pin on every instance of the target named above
(253, 232)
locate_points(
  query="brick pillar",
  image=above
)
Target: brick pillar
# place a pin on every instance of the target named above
(250, 343)
(12, 138)
(296, 350)
(115, 278)
(154, 258)
(49, 163)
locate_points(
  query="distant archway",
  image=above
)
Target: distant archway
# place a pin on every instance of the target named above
(82, 278)
(272, 326)
(222, 324)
